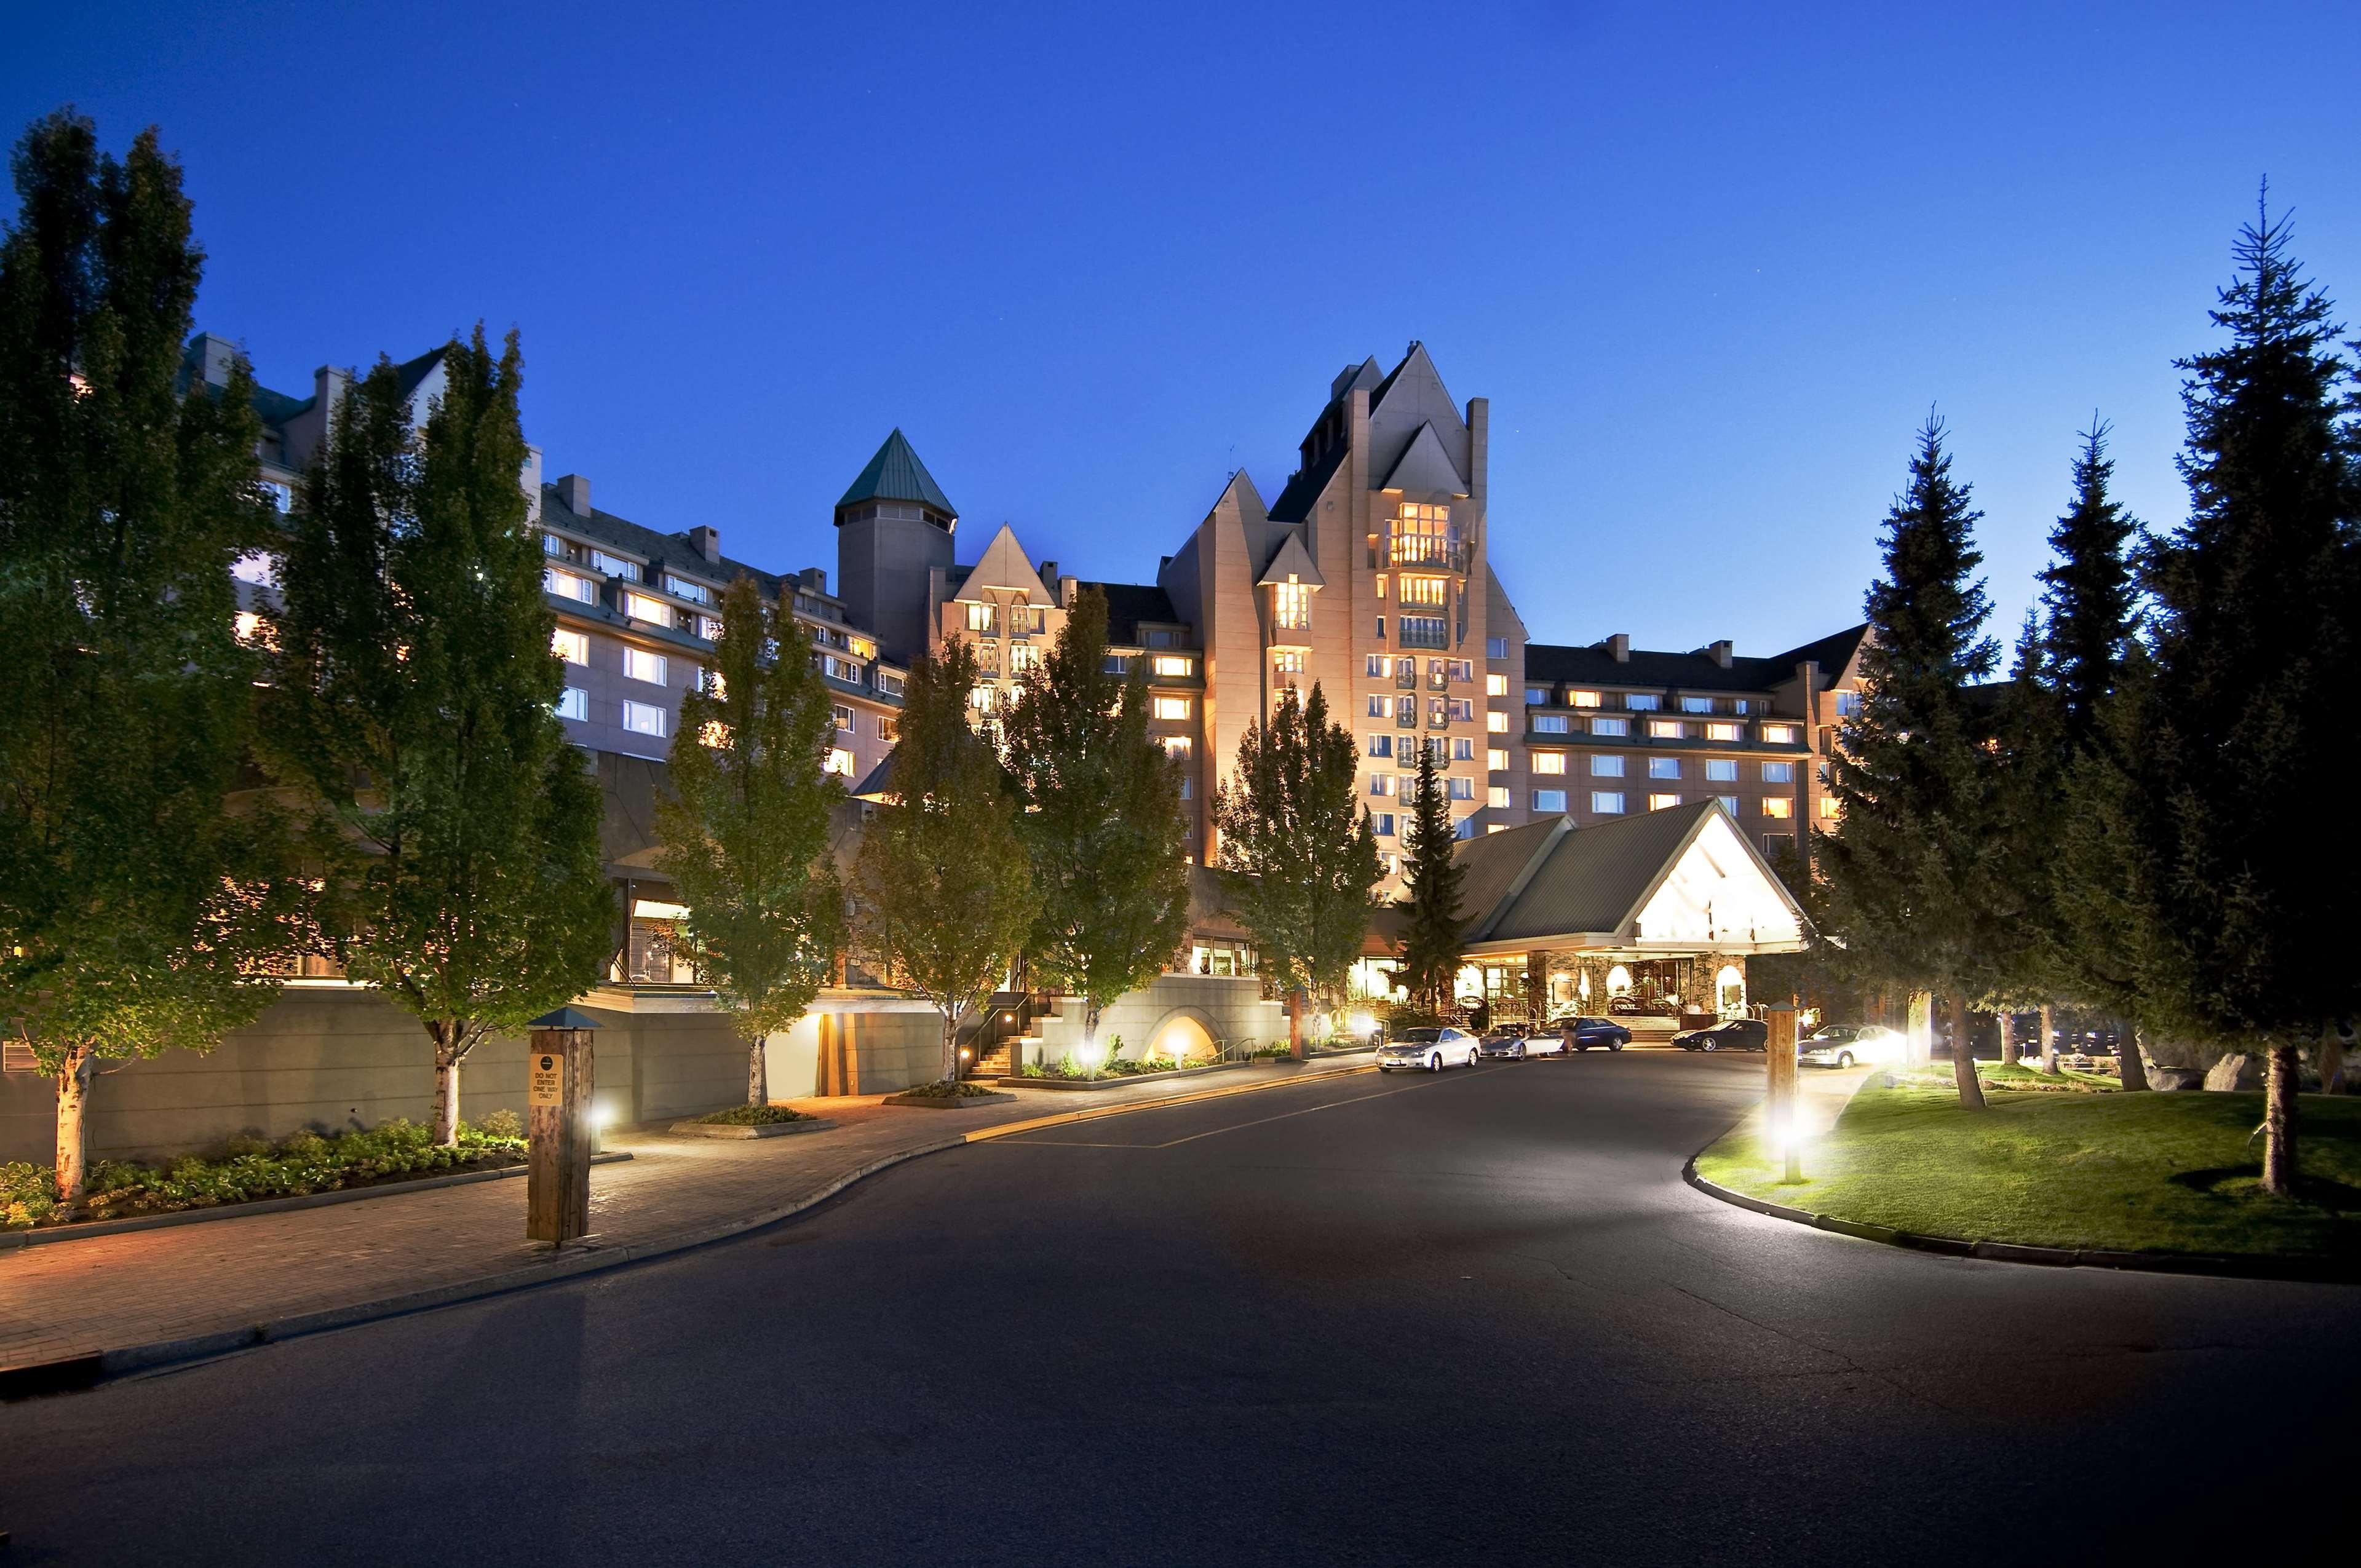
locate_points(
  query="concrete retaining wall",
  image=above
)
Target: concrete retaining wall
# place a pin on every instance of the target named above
(1157, 1019)
(331, 1058)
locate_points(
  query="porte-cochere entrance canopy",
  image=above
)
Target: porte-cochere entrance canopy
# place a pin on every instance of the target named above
(1554, 901)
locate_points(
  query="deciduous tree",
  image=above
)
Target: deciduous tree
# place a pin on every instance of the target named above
(415, 705)
(1101, 821)
(944, 889)
(141, 899)
(744, 825)
(1298, 855)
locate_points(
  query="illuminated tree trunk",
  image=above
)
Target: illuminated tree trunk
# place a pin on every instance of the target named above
(2134, 1063)
(74, 1079)
(452, 1039)
(2007, 1022)
(1919, 1049)
(1295, 1022)
(758, 1071)
(2278, 1122)
(2050, 1039)
(1963, 1058)
(2332, 1061)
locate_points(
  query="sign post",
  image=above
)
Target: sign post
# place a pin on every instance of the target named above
(559, 1081)
(1779, 1056)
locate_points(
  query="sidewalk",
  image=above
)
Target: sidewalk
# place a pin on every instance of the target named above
(106, 1304)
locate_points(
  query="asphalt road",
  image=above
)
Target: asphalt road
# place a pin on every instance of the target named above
(1468, 1318)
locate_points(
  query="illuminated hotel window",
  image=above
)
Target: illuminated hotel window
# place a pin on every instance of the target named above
(1380, 707)
(841, 713)
(1425, 591)
(1177, 747)
(1779, 734)
(984, 619)
(1548, 762)
(1497, 796)
(571, 646)
(1022, 656)
(1497, 760)
(1381, 585)
(645, 607)
(1169, 707)
(1778, 806)
(1290, 605)
(1583, 699)
(1496, 685)
(1663, 802)
(1829, 807)
(1665, 728)
(1723, 733)
(1421, 535)
(1381, 783)
(1497, 723)
(569, 586)
(839, 762)
(1283, 661)
(642, 665)
(1172, 664)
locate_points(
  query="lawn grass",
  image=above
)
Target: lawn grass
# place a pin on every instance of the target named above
(2103, 1170)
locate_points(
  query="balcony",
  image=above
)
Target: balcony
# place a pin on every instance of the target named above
(1422, 631)
(1445, 551)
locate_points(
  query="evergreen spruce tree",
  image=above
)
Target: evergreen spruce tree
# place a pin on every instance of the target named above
(1298, 855)
(1909, 882)
(744, 825)
(2239, 799)
(944, 889)
(1101, 821)
(415, 706)
(140, 900)
(1432, 944)
(2072, 772)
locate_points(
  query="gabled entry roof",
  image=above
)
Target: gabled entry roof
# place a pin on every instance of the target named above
(1684, 879)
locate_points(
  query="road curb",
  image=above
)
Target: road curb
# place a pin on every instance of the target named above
(2225, 1266)
(88, 1367)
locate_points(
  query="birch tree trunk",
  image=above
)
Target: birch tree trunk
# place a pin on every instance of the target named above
(75, 1080)
(2008, 1052)
(2050, 1039)
(1091, 1033)
(448, 1034)
(2135, 1064)
(2280, 1121)
(758, 1072)
(1963, 1058)
(1919, 1041)
(951, 1047)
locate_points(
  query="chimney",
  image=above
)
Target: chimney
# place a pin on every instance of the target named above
(1067, 588)
(706, 542)
(1721, 652)
(1620, 645)
(213, 355)
(812, 579)
(1050, 572)
(574, 491)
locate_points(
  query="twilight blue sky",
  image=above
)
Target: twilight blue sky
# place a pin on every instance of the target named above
(1711, 264)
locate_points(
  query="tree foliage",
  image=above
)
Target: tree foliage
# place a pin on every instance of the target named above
(2236, 818)
(414, 704)
(1299, 856)
(744, 824)
(140, 898)
(1432, 923)
(943, 887)
(1100, 820)
(1909, 884)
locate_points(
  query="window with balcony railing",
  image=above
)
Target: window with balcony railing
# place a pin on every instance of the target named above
(1422, 631)
(1290, 605)
(1423, 536)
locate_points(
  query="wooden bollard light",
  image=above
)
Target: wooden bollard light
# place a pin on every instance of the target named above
(1784, 1126)
(559, 1082)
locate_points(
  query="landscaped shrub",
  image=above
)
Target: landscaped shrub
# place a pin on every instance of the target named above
(945, 1089)
(303, 1164)
(502, 1123)
(752, 1117)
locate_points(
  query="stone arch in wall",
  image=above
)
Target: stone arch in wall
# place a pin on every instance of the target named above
(1183, 1032)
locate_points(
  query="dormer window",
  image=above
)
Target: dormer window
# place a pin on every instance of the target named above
(614, 565)
(984, 619)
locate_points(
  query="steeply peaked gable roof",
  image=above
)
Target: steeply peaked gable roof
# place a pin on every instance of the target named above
(896, 475)
(1003, 567)
(1291, 559)
(1425, 468)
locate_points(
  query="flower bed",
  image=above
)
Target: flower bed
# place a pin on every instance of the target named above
(751, 1116)
(253, 1169)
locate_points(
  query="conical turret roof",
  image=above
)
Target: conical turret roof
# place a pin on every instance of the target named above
(896, 475)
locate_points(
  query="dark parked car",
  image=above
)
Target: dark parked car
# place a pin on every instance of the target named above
(1584, 1033)
(1644, 1006)
(1737, 1035)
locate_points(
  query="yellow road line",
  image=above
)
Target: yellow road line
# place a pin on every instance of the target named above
(1059, 1119)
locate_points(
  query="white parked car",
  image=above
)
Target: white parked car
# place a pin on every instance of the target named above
(1844, 1044)
(1432, 1049)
